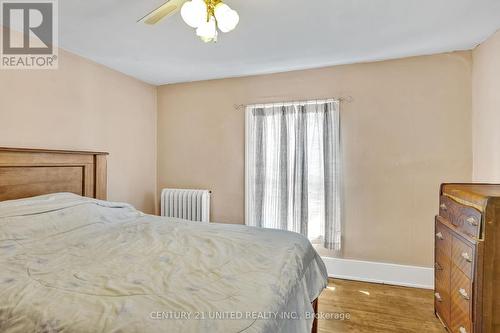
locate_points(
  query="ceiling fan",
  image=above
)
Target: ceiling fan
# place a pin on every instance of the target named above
(206, 16)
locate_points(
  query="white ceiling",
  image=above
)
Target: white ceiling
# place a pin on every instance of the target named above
(273, 35)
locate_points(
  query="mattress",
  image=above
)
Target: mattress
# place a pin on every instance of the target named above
(75, 264)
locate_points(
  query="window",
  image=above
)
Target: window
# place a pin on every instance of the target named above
(293, 169)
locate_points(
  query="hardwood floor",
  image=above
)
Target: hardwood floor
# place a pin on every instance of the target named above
(377, 308)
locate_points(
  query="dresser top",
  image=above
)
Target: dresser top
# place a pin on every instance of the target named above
(475, 195)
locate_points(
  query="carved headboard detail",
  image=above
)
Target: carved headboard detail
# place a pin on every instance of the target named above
(30, 172)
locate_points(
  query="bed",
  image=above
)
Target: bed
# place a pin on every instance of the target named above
(72, 262)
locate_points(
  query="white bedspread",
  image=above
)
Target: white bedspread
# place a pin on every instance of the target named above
(73, 264)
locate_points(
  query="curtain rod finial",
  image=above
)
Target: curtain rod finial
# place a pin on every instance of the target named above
(347, 99)
(239, 107)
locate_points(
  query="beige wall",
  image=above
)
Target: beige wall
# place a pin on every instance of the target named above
(486, 110)
(86, 106)
(407, 130)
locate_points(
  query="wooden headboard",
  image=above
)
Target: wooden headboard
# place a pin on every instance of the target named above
(30, 172)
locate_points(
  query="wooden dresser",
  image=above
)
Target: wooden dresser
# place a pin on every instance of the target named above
(467, 258)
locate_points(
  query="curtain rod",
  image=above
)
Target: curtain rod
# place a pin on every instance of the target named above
(346, 99)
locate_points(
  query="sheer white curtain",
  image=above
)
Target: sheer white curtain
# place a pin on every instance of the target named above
(293, 169)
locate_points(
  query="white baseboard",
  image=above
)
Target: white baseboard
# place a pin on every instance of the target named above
(377, 272)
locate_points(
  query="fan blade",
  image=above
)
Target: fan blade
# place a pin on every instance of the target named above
(168, 8)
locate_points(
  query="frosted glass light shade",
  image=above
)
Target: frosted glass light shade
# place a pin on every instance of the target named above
(227, 18)
(208, 31)
(194, 13)
(221, 9)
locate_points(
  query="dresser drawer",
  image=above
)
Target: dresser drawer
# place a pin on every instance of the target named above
(442, 302)
(442, 298)
(442, 269)
(463, 256)
(443, 239)
(460, 323)
(466, 219)
(461, 298)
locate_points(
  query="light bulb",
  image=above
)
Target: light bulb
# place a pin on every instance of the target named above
(194, 13)
(227, 18)
(208, 31)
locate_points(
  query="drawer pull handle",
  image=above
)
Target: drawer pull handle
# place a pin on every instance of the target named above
(472, 221)
(438, 297)
(438, 267)
(462, 330)
(464, 294)
(443, 206)
(439, 236)
(466, 256)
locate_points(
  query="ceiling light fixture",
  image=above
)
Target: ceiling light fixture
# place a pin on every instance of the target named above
(209, 16)
(206, 16)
